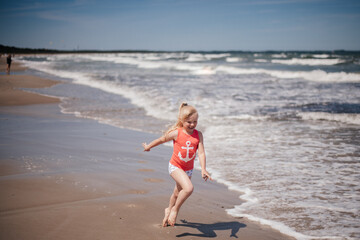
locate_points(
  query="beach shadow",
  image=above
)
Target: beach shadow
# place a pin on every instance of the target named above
(208, 230)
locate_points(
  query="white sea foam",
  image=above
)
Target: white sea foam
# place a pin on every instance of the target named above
(245, 117)
(217, 55)
(48, 68)
(278, 226)
(340, 117)
(153, 58)
(196, 69)
(198, 57)
(315, 75)
(233, 59)
(200, 69)
(246, 194)
(195, 58)
(281, 55)
(126, 59)
(310, 62)
(261, 60)
(315, 56)
(321, 55)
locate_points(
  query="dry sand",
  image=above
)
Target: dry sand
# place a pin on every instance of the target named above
(63, 177)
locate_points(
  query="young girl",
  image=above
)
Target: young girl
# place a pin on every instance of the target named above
(186, 141)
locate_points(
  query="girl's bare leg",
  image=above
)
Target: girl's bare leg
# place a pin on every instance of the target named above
(166, 216)
(172, 201)
(182, 191)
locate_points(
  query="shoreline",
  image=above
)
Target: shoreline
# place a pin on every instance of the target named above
(12, 95)
(101, 183)
(11, 85)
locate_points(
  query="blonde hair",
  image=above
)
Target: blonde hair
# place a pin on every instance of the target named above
(185, 111)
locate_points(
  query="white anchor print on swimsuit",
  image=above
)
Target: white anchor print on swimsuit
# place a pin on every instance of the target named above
(187, 158)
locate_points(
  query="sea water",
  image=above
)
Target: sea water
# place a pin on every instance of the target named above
(281, 128)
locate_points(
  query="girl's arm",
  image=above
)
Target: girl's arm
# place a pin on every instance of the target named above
(168, 137)
(202, 158)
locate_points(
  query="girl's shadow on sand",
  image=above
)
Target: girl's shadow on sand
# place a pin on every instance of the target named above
(208, 230)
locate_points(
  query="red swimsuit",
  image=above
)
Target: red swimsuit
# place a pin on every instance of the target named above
(185, 147)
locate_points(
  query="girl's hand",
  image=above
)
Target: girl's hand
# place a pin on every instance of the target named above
(146, 148)
(205, 175)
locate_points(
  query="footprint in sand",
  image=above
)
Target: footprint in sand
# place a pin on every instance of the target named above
(153, 180)
(157, 225)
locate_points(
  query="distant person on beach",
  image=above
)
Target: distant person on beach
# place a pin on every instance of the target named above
(8, 61)
(187, 140)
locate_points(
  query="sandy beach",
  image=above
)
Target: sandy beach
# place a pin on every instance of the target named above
(63, 177)
(10, 93)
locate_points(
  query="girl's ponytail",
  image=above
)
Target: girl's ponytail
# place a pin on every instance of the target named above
(185, 111)
(183, 104)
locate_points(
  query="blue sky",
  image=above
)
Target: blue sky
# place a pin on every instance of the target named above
(255, 25)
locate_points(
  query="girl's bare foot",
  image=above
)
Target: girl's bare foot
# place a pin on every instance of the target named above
(172, 217)
(165, 220)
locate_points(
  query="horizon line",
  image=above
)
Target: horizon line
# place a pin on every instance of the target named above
(5, 47)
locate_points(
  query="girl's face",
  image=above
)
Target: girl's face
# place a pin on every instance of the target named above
(190, 123)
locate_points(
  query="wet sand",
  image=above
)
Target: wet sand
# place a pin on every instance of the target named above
(11, 95)
(11, 84)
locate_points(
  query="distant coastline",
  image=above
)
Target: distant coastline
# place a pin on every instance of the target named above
(11, 49)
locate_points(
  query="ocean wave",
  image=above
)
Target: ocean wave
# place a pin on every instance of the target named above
(126, 59)
(146, 64)
(244, 117)
(315, 75)
(198, 57)
(318, 76)
(260, 60)
(48, 67)
(310, 62)
(321, 55)
(338, 117)
(201, 69)
(143, 59)
(151, 104)
(281, 55)
(315, 55)
(233, 59)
